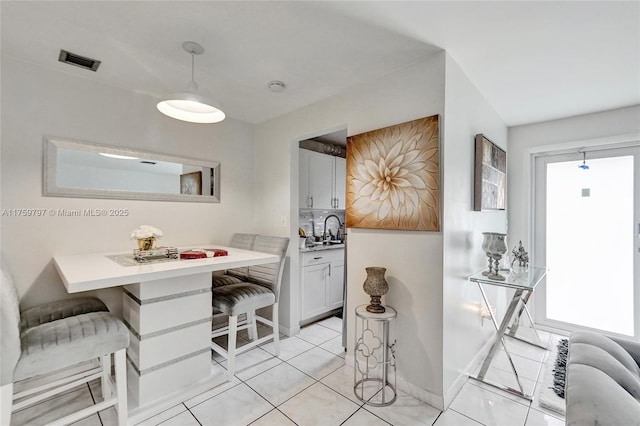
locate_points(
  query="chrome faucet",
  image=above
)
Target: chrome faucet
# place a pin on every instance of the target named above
(324, 232)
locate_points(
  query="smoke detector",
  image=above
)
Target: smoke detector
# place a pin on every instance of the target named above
(276, 86)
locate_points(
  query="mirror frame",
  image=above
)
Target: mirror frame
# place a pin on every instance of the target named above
(50, 164)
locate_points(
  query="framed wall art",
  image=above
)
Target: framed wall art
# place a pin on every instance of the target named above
(490, 183)
(393, 177)
(191, 183)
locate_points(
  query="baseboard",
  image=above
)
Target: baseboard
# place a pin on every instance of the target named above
(289, 331)
(475, 362)
(421, 394)
(457, 385)
(321, 316)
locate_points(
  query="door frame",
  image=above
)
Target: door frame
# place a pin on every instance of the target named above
(538, 230)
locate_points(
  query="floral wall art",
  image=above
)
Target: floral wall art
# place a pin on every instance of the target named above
(393, 177)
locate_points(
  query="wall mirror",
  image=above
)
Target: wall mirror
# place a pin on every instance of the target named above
(75, 168)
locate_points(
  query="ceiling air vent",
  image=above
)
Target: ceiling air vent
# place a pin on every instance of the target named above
(78, 61)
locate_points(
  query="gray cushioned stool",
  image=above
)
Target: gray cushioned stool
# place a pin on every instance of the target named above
(54, 337)
(260, 288)
(603, 381)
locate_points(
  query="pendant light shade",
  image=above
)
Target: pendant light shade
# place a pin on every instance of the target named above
(190, 105)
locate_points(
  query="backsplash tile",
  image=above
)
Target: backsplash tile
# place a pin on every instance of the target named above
(312, 221)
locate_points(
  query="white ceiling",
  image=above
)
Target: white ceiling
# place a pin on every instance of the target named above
(533, 61)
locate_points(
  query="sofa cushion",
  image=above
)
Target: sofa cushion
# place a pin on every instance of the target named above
(608, 345)
(594, 398)
(603, 381)
(599, 358)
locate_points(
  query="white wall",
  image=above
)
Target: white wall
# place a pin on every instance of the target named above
(606, 128)
(38, 102)
(413, 259)
(466, 114)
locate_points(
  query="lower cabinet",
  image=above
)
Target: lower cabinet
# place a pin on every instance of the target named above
(322, 282)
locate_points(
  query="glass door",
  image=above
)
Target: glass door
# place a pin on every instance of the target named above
(587, 233)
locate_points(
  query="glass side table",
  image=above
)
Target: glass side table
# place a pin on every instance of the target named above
(373, 356)
(524, 283)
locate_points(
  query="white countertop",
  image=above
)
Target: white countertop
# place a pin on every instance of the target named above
(321, 247)
(83, 272)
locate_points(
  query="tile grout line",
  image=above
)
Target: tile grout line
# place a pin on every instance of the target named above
(496, 393)
(470, 418)
(188, 411)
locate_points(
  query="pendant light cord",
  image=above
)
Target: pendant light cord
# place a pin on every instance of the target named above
(193, 59)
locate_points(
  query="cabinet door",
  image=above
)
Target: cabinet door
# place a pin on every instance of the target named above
(303, 178)
(321, 175)
(335, 285)
(340, 183)
(314, 290)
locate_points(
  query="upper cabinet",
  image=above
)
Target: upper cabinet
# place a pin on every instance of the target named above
(340, 182)
(322, 180)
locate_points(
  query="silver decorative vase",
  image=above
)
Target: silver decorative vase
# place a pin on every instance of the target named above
(495, 248)
(375, 286)
(486, 240)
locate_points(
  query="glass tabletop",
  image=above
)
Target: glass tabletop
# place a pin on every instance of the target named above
(523, 280)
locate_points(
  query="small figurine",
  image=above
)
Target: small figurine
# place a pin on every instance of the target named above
(520, 255)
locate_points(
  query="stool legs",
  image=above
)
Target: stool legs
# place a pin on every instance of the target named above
(6, 401)
(121, 386)
(231, 346)
(253, 327)
(276, 329)
(106, 374)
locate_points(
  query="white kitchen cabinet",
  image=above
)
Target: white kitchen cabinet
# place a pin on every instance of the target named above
(303, 177)
(321, 176)
(340, 183)
(335, 284)
(322, 180)
(322, 282)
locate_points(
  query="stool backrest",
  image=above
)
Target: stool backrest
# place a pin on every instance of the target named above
(9, 327)
(270, 275)
(244, 242)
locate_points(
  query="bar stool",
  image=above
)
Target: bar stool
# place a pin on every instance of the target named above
(52, 338)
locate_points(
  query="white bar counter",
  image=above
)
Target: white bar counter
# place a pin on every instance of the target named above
(83, 272)
(167, 308)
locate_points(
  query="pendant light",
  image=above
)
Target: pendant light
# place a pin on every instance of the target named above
(190, 105)
(584, 165)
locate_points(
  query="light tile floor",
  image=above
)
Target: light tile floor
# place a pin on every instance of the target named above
(309, 384)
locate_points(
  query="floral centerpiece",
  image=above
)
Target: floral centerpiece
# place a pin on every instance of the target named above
(146, 236)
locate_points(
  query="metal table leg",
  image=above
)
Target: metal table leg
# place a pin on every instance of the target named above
(499, 339)
(513, 329)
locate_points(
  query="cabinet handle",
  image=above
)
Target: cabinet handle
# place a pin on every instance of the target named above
(337, 202)
(329, 269)
(311, 204)
(317, 258)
